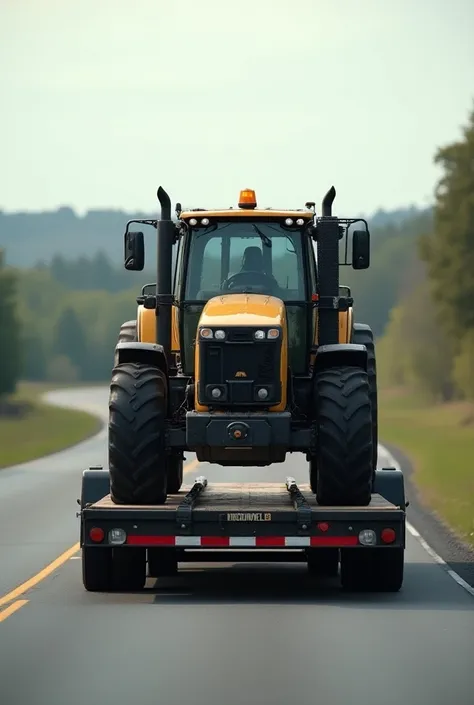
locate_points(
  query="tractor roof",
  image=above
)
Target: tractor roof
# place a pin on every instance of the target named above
(247, 208)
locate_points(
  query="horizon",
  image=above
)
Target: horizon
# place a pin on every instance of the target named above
(117, 210)
(217, 102)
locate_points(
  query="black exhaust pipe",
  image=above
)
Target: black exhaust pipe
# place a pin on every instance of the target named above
(328, 272)
(328, 200)
(164, 274)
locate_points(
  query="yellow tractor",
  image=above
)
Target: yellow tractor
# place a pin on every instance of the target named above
(245, 350)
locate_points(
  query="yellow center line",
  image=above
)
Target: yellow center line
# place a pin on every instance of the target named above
(57, 563)
(11, 609)
(28, 584)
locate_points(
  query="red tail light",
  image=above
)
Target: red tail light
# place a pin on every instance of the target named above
(96, 535)
(388, 535)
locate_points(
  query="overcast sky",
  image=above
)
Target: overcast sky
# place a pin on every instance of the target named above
(104, 100)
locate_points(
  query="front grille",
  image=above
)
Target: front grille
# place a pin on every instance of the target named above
(240, 368)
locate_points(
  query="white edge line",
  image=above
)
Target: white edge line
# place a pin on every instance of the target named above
(416, 534)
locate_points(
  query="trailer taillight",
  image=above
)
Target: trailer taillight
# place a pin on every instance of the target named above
(388, 535)
(96, 534)
(368, 537)
(117, 537)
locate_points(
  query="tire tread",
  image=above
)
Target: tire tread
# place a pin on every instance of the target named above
(344, 446)
(137, 413)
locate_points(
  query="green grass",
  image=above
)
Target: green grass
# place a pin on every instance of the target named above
(439, 440)
(42, 429)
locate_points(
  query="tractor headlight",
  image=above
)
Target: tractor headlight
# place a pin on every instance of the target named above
(259, 335)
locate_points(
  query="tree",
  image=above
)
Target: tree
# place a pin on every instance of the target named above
(463, 373)
(10, 367)
(449, 251)
(70, 339)
(414, 351)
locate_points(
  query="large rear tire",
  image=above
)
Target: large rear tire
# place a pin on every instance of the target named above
(344, 437)
(137, 413)
(363, 335)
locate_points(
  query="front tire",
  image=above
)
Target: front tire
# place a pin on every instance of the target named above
(137, 414)
(343, 460)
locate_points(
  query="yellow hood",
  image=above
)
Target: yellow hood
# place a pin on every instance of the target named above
(243, 310)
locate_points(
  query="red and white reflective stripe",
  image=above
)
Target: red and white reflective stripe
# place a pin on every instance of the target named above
(242, 541)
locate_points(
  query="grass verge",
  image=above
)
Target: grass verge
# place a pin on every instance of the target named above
(31, 429)
(439, 440)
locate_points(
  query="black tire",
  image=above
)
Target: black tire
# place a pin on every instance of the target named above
(175, 473)
(363, 335)
(372, 569)
(137, 413)
(323, 562)
(128, 569)
(127, 334)
(97, 569)
(344, 437)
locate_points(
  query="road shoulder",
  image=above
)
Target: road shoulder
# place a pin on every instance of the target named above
(36, 427)
(458, 556)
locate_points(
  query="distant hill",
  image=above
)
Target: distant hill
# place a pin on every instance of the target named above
(30, 238)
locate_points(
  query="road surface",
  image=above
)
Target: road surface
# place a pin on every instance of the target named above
(230, 635)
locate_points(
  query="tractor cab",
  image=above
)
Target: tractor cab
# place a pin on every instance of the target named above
(266, 253)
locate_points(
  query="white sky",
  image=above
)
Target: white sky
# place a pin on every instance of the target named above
(103, 100)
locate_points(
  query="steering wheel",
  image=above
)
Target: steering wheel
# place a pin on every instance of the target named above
(252, 274)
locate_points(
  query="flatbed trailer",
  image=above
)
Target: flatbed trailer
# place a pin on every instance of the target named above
(122, 545)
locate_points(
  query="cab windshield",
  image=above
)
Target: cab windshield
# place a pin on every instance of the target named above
(246, 257)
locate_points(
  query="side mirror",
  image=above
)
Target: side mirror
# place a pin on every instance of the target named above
(134, 255)
(360, 249)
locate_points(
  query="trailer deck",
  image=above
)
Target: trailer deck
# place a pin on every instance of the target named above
(242, 497)
(250, 515)
(238, 522)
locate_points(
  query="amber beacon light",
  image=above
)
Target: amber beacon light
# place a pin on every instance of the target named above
(247, 199)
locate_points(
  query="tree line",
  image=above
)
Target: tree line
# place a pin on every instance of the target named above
(429, 339)
(67, 314)
(59, 321)
(37, 237)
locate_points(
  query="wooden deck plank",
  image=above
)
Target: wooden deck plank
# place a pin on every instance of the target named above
(243, 497)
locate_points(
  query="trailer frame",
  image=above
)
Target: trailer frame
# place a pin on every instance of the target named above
(123, 545)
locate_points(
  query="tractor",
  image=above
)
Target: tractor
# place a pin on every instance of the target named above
(245, 349)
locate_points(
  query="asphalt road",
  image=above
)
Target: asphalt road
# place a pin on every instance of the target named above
(232, 634)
